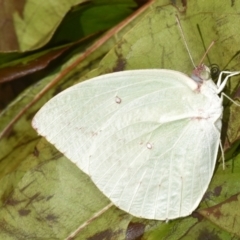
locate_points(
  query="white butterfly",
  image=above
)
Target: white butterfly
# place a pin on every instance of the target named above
(147, 138)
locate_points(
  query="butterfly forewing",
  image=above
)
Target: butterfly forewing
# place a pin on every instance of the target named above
(139, 136)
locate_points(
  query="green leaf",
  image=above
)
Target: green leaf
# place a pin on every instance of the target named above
(51, 198)
(223, 201)
(29, 22)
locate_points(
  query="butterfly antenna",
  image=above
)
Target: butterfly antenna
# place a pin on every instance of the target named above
(185, 42)
(206, 52)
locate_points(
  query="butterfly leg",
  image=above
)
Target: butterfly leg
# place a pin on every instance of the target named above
(221, 84)
(222, 152)
(226, 96)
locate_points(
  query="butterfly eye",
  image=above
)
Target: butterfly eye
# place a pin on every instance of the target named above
(205, 74)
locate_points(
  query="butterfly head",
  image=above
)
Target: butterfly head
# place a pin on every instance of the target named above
(201, 73)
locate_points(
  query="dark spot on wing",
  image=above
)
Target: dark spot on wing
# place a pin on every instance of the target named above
(118, 100)
(94, 133)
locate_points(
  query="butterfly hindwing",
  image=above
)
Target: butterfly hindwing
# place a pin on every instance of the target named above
(138, 135)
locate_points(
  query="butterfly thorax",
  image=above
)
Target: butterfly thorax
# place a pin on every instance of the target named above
(213, 108)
